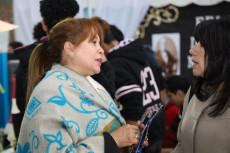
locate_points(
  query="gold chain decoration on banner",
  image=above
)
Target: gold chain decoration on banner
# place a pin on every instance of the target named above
(169, 14)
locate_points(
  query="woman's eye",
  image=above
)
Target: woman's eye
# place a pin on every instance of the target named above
(94, 42)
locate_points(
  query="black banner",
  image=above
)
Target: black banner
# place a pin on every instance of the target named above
(169, 30)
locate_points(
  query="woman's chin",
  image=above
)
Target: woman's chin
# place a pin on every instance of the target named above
(97, 71)
(197, 74)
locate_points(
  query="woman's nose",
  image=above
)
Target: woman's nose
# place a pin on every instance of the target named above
(192, 51)
(101, 51)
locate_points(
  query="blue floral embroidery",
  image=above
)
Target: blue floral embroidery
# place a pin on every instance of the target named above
(77, 88)
(112, 112)
(33, 104)
(81, 144)
(59, 100)
(60, 76)
(69, 126)
(112, 128)
(54, 139)
(35, 141)
(93, 124)
(70, 148)
(33, 108)
(86, 100)
(91, 95)
(114, 107)
(114, 125)
(25, 149)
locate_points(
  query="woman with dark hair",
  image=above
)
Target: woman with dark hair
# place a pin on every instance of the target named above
(67, 111)
(205, 123)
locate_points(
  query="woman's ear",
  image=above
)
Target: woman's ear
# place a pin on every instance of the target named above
(180, 92)
(69, 48)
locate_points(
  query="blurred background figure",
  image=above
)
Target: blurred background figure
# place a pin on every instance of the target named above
(13, 63)
(138, 84)
(176, 89)
(14, 45)
(38, 31)
(9, 138)
(118, 35)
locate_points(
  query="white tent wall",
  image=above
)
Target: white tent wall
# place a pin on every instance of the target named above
(125, 14)
(26, 14)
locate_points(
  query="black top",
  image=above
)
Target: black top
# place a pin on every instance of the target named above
(138, 85)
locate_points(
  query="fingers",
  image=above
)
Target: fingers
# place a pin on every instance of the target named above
(134, 134)
(146, 142)
(140, 125)
(127, 135)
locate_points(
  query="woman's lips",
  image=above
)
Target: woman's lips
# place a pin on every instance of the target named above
(194, 63)
(99, 61)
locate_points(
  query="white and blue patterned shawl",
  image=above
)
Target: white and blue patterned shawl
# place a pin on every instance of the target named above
(66, 114)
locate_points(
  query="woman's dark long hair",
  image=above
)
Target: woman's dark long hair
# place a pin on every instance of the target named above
(214, 37)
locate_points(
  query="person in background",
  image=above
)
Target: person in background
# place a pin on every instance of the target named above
(176, 89)
(12, 59)
(38, 32)
(118, 35)
(137, 84)
(12, 64)
(52, 12)
(13, 45)
(205, 123)
(67, 110)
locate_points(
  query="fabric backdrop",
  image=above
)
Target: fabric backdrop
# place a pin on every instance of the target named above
(125, 14)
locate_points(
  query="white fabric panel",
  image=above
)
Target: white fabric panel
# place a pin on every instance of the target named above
(125, 14)
(181, 3)
(26, 14)
(4, 41)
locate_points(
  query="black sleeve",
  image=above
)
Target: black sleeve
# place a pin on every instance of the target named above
(106, 78)
(128, 90)
(21, 87)
(110, 144)
(21, 83)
